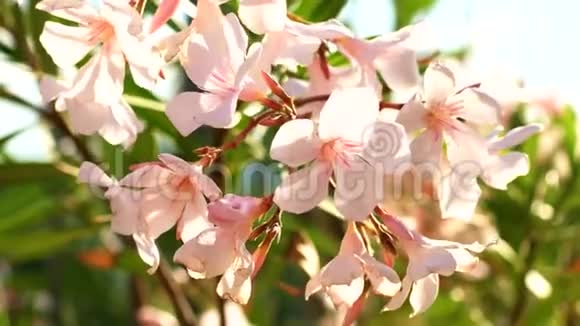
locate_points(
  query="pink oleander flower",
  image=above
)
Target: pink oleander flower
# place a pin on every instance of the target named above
(297, 43)
(115, 122)
(153, 198)
(336, 143)
(319, 84)
(343, 278)
(393, 55)
(221, 249)
(459, 191)
(444, 112)
(337, 146)
(428, 259)
(117, 28)
(216, 62)
(262, 16)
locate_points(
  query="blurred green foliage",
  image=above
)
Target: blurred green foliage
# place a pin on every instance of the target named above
(52, 229)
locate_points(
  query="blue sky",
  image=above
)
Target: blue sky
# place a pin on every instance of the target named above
(535, 40)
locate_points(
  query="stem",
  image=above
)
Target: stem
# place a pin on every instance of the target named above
(306, 100)
(318, 98)
(254, 122)
(178, 299)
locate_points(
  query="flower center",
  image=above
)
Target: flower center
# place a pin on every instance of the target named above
(443, 117)
(340, 151)
(101, 31)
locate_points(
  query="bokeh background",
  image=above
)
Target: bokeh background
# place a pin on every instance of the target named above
(60, 265)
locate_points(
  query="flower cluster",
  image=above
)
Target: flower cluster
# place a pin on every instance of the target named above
(336, 134)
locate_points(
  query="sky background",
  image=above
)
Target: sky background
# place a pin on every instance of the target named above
(534, 40)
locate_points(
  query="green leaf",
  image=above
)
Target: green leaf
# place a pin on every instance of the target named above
(407, 10)
(319, 10)
(30, 172)
(37, 244)
(23, 205)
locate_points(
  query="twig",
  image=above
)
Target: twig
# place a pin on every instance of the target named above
(178, 299)
(324, 97)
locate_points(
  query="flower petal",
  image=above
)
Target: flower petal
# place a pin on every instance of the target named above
(478, 107)
(236, 283)
(86, 118)
(148, 251)
(384, 280)
(207, 255)
(262, 16)
(302, 190)
(66, 45)
(358, 190)
(424, 293)
(412, 115)
(295, 143)
(398, 67)
(459, 194)
(193, 220)
(346, 294)
(503, 169)
(439, 84)
(348, 114)
(92, 174)
(160, 210)
(124, 210)
(427, 148)
(399, 298)
(515, 137)
(77, 11)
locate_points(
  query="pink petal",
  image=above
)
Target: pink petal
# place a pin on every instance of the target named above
(304, 189)
(86, 118)
(92, 174)
(77, 11)
(412, 115)
(262, 16)
(236, 283)
(160, 211)
(503, 169)
(424, 294)
(124, 210)
(148, 176)
(207, 255)
(295, 143)
(66, 45)
(51, 88)
(346, 294)
(515, 137)
(348, 114)
(180, 111)
(176, 164)
(398, 67)
(427, 147)
(351, 243)
(122, 126)
(236, 41)
(384, 280)
(399, 298)
(458, 195)
(439, 84)
(148, 251)
(358, 190)
(193, 219)
(164, 12)
(478, 107)
(101, 79)
(431, 260)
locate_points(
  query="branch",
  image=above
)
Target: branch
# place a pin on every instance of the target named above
(178, 299)
(319, 98)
